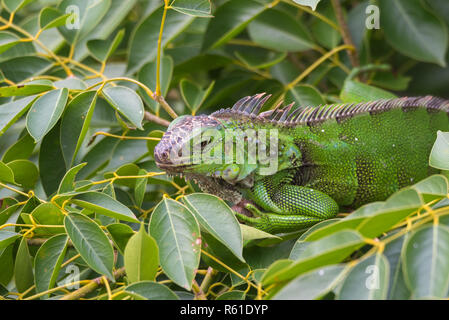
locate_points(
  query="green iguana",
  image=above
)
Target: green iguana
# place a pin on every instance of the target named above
(328, 158)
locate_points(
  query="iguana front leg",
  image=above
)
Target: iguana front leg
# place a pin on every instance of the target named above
(287, 207)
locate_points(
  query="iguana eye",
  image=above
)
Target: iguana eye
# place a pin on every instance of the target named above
(231, 172)
(204, 143)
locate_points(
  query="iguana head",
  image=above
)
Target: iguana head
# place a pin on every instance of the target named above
(227, 149)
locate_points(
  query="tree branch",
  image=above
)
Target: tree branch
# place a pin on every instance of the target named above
(353, 55)
(91, 286)
(151, 117)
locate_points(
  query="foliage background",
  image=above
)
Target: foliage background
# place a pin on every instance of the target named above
(85, 213)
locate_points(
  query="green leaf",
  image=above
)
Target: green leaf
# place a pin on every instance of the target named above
(141, 257)
(129, 169)
(249, 233)
(22, 149)
(48, 214)
(373, 219)
(354, 92)
(442, 8)
(6, 174)
(7, 40)
(45, 112)
(10, 112)
(103, 204)
(277, 30)
(413, 30)
(368, 280)
(140, 187)
(14, 5)
(21, 68)
(103, 49)
(356, 20)
(426, 262)
(215, 248)
(260, 58)
(126, 102)
(215, 216)
(7, 237)
(48, 260)
(23, 268)
(150, 290)
(304, 96)
(51, 161)
(301, 243)
(193, 95)
(232, 295)
(147, 75)
(6, 265)
(328, 250)
(25, 172)
(390, 81)
(312, 285)
(91, 243)
(52, 18)
(285, 72)
(309, 3)
(72, 83)
(68, 182)
(30, 88)
(143, 48)
(129, 151)
(433, 187)
(230, 19)
(396, 208)
(397, 288)
(325, 34)
(439, 156)
(120, 234)
(75, 123)
(276, 267)
(98, 157)
(117, 13)
(197, 8)
(177, 234)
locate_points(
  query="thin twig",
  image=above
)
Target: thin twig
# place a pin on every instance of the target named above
(344, 30)
(161, 100)
(159, 48)
(314, 65)
(314, 13)
(151, 117)
(207, 279)
(91, 286)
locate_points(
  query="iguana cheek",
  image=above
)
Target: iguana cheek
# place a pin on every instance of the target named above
(231, 172)
(245, 171)
(293, 153)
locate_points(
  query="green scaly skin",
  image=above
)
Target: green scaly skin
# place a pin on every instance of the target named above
(330, 157)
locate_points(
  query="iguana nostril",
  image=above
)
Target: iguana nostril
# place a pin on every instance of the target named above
(161, 153)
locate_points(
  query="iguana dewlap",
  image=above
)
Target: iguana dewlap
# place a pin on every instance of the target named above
(325, 158)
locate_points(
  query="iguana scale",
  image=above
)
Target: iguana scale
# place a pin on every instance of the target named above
(329, 157)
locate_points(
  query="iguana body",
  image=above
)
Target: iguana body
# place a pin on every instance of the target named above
(330, 157)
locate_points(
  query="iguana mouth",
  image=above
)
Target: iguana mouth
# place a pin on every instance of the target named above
(172, 169)
(212, 185)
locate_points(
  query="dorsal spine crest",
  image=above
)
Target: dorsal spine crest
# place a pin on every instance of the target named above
(249, 108)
